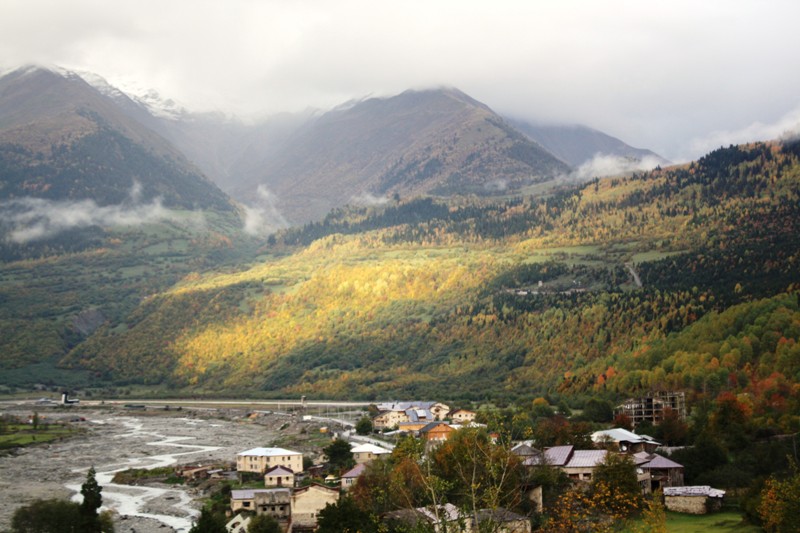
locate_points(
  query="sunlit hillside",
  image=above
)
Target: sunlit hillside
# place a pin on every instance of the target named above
(481, 299)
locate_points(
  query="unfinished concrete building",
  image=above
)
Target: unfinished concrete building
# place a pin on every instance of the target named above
(651, 408)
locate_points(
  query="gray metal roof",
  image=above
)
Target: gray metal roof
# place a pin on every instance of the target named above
(558, 455)
(695, 490)
(660, 463)
(586, 458)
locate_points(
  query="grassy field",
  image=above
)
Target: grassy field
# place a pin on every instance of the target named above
(724, 521)
(16, 435)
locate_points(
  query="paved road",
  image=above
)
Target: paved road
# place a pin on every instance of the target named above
(229, 403)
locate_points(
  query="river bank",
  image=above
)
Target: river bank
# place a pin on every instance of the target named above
(115, 439)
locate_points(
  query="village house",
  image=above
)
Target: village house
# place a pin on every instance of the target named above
(274, 502)
(411, 428)
(436, 432)
(389, 419)
(394, 413)
(259, 460)
(307, 502)
(624, 441)
(462, 416)
(350, 477)
(279, 476)
(527, 453)
(663, 472)
(700, 499)
(579, 465)
(365, 453)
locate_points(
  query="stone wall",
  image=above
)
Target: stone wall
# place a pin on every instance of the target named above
(686, 504)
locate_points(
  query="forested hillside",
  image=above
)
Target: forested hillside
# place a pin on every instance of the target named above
(477, 299)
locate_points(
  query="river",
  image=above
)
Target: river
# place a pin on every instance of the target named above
(114, 441)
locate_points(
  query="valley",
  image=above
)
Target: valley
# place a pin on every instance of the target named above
(415, 246)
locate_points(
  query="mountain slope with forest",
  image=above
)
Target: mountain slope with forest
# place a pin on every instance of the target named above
(485, 299)
(61, 139)
(436, 141)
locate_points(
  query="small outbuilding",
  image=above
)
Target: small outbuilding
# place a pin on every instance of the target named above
(697, 499)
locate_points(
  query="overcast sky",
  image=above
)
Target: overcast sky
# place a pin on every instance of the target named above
(678, 77)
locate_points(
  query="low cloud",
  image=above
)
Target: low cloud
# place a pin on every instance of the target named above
(263, 217)
(498, 185)
(602, 165)
(786, 127)
(366, 198)
(32, 219)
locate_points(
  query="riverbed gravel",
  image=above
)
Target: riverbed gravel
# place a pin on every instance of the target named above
(114, 438)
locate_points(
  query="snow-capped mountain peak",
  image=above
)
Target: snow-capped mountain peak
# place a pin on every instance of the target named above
(148, 98)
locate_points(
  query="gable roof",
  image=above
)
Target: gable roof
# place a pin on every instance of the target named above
(370, 448)
(447, 512)
(586, 458)
(657, 462)
(524, 449)
(268, 452)
(279, 470)
(434, 425)
(558, 455)
(355, 471)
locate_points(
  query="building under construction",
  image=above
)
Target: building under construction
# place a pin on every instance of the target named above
(651, 408)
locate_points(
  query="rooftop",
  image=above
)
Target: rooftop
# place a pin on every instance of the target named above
(695, 490)
(660, 462)
(355, 471)
(558, 455)
(279, 471)
(586, 458)
(249, 494)
(370, 448)
(621, 435)
(269, 452)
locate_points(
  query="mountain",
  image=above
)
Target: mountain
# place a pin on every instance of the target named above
(577, 144)
(62, 139)
(486, 298)
(419, 142)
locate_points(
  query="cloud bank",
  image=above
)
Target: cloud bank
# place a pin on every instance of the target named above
(33, 219)
(787, 126)
(262, 217)
(652, 74)
(602, 165)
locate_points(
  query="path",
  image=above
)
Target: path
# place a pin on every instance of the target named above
(635, 275)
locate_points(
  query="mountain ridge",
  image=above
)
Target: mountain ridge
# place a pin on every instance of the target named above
(61, 139)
